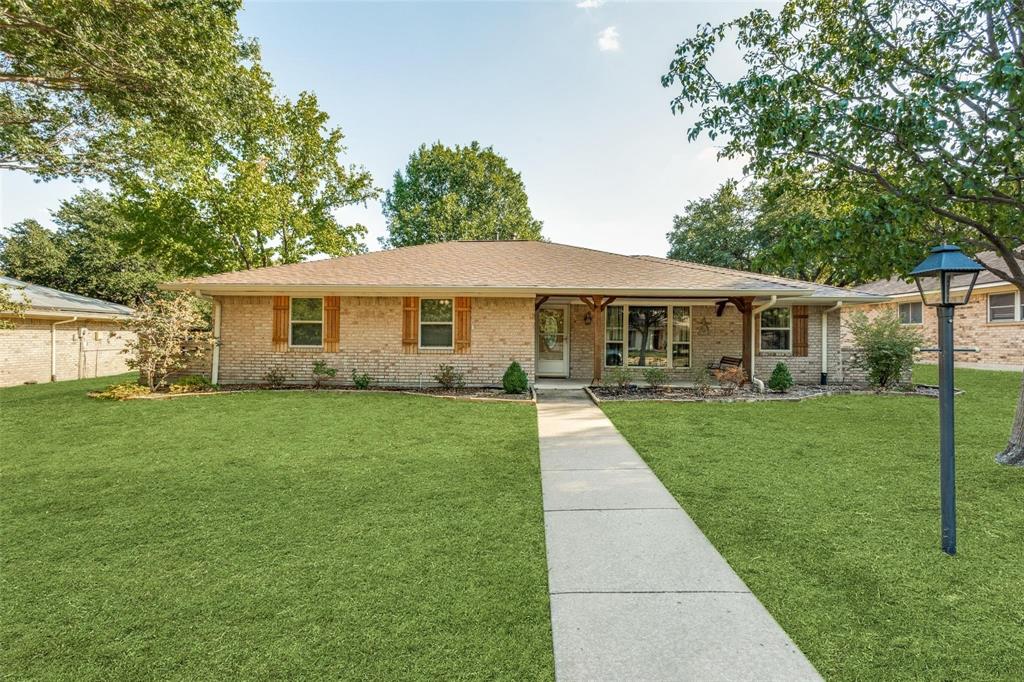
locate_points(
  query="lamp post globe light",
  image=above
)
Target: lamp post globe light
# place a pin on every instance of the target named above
(945, 279)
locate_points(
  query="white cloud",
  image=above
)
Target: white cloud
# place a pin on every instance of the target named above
(589, 4)
(608, 40)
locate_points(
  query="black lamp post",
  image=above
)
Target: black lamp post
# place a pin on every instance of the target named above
(945, 280)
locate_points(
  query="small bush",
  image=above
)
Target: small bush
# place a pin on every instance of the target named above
(275, 377)
(515, 379)
(781, 380)
(619, 376)
(731, 378)
(655, 377)
(361, 381)
(321, 372)
(448, 377)
(885, 348)
(702, 383)
(129, 389)
(193, 383)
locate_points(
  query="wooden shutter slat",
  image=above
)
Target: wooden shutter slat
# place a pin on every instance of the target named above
(332, 323)
(410, 324)
(280, 324)
(463, 326)
(800, 331)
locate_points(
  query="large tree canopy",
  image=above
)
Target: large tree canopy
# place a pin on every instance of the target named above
(912, 108)
(449, 193)
(76, 73)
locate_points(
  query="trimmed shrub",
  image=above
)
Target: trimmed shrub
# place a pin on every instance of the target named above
(448, 377)
(321, 372)
(361, 381)
(781, 380)
(885, 347)
(275, 377)
(619, 376)
(655, 376)
(515, 380)
(193, 383)
(129, 389)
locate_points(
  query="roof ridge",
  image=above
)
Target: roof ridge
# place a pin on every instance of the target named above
(774, 279)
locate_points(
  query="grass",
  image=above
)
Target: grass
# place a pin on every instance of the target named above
(829, 510)
(289, 535)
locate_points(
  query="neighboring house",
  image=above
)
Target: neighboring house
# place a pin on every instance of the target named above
(992, 322)
(560, 311)
(60, 336)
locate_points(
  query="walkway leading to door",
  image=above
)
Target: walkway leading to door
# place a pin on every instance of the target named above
(637, 591)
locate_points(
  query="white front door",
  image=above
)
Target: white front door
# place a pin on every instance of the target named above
(553, 341)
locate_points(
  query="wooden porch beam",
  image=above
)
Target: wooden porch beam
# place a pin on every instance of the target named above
(720, 308)
(540, 301)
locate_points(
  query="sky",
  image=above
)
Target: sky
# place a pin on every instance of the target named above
(569, 92)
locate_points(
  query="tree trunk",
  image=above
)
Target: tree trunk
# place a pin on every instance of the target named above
(1014, 452)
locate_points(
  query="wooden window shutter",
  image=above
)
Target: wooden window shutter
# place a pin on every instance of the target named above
(463, 323)
(800, 331)
(281, 323)
(410, 324)
(332, 323)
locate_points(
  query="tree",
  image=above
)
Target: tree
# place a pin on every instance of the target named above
(716, 230)
(75, 74)
(11, 305)
(450, 193)
(912, 108)
(86, 255)
(168, 333)
(262, 192)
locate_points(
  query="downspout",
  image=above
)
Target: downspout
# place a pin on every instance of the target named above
(53, 346)
(753, 335)
(215, 365)
(824, 341)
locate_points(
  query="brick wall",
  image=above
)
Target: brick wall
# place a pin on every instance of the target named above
(712, 337)
(96, 352)
(371, 342)
(999, 343)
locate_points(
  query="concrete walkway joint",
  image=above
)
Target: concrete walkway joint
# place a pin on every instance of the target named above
(637, 592)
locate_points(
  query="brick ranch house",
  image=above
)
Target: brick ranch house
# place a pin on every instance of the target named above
(560, 311)
(61, 336)
(992, 322)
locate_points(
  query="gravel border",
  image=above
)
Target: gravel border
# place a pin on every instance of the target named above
(677, 395)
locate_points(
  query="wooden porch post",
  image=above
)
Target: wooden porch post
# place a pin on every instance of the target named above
(748, 344)
(598, 325)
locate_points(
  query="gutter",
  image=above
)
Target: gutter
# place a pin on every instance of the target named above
(824, 341)
(753, 351)
(53, 347)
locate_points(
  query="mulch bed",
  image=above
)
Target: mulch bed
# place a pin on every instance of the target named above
(492, 394)
(718, 395)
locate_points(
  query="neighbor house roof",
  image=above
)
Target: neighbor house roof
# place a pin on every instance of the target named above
(898, 286)
(504, 268)
(51, 302)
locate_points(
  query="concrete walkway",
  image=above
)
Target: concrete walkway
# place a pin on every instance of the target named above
(637, 591)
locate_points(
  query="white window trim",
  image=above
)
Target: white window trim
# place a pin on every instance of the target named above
(761, 329)
(625, 334)
(292, 322)
(1018, 314)
(436, 324)
(911, 304)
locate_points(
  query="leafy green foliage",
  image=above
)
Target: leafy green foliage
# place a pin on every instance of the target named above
(78, 76)
(781, 380)
(515, 380)
(618, 376)
(169, 332)
(702, 382)
(361, 381)
(322, 372)
(12, 305)
(275, 377)
(450, 193)
(123, 391)
(447, 377)
(86, 255)
(884, 347)
(715, 230)
(193, 383)
(655, 377)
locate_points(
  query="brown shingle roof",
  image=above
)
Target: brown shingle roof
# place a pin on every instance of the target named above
(897, 286)
(532, 267)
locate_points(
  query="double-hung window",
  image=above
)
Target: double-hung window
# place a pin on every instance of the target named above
(307, 322)
(777, 329)
(436, 323)
(613, 355)
(647, 336)
(910, 313)
(680, 336)
(1005, 308)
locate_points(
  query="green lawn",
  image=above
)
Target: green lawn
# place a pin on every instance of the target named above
(287, 535)
(829, 511)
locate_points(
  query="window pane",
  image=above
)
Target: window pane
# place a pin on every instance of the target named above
(904, 313)
(307, 334)
(436, 310)
(613, 324)
(1000, 307)
(680, 355)
(774, 340)
(613, 354)
(307, 309)
(916, 310)
(775, 317)
(436, 335)
(680, 324)
(648, 336)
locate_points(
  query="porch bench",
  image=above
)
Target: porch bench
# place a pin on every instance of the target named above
(726, 361)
